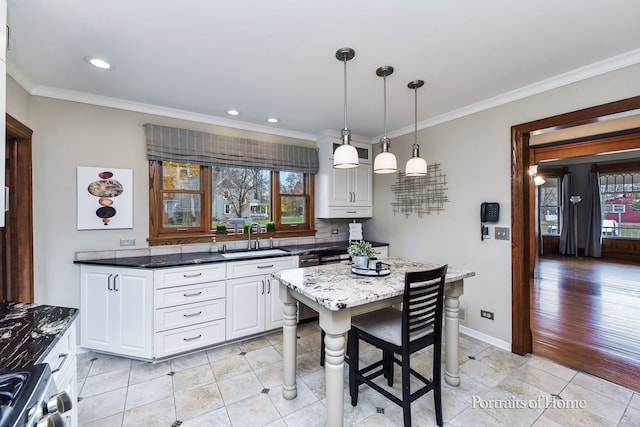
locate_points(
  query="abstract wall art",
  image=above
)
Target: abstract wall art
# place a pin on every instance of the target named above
(105, 198)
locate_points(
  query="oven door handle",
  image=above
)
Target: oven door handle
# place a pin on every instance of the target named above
(64, 357)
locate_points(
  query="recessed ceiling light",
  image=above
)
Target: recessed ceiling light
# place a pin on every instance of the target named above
(273, 120)
(97, 62)
(233, 112)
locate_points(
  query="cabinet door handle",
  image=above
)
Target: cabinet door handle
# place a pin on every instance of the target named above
(193, 314)
(64, 357)
(109, 282)
(192, 338)
(265, 266)
(268, 286)
(194, 294)
(115, 288)
(187, 276)
(262, 291)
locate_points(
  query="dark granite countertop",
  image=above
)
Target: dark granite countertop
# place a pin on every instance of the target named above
(29, 331)
(177, 260)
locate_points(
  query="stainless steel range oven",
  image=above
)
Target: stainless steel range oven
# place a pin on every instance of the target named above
(28, 398)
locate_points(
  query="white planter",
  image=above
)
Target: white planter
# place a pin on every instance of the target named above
(360, 261)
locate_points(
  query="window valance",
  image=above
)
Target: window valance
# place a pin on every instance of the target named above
(189, 146)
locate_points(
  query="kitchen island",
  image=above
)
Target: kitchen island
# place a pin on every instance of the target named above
(338, 294)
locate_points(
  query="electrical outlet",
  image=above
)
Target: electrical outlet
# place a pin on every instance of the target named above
(486, 314)
(462, 314)
(128, 242)
(502, 233)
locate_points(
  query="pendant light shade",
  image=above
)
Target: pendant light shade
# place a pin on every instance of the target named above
(416, 166)
(385, 162)
(346, 155)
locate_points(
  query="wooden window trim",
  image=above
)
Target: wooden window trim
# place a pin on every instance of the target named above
(158, 235)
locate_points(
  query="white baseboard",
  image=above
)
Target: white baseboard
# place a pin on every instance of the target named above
(486, 338)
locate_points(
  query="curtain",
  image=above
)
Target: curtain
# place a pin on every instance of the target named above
(567, 234)
(188, 146)
(593, 244)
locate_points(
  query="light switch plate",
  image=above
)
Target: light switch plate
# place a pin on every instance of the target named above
(502, 233)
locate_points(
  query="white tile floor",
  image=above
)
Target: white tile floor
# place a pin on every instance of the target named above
(240, 385)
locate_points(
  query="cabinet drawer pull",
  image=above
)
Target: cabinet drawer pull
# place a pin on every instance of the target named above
(188, 276)
(183, 229)
(64, 357)
(194, 294)
(193, 314)
(192, 338)
(352, 212)
(265, 266)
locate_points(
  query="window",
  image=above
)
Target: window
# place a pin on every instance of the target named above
(549, 204)
(620, 196)
(189, 203)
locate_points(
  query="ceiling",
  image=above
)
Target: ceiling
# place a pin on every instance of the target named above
(194, 59)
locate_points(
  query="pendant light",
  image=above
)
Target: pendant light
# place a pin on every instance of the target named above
(385, 162)
(346, 155)
(416, 166)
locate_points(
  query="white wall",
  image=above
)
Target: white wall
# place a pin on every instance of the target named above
(474, 153)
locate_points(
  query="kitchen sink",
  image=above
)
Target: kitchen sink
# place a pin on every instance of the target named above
(255, 253)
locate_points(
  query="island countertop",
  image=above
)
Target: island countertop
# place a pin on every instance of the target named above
(335, 287)
(29, 331)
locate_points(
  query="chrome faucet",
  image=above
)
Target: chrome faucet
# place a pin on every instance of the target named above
(249, 233)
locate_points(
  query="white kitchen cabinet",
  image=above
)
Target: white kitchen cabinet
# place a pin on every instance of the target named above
(381, 251)
(253, 301)
(189, 308)
(116, 310)
(343, 193)
(62, 360)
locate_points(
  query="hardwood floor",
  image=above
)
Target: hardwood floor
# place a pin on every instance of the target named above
(585, 314)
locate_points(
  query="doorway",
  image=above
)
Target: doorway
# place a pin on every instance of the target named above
(17, 248)
(524, 250)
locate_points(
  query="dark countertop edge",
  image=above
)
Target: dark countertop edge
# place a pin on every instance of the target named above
(74, 315)
(198, 258)
(20, 321)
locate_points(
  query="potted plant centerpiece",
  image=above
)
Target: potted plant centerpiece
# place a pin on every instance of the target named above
(360, 252)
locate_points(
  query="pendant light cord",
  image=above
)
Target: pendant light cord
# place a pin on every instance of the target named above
(415, 133)
(345, 92)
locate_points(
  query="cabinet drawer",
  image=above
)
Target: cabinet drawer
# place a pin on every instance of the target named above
(181, 276)
(350, 212)
(62, 357)
(260, 266)
(189, 338)
(187, 315)
(189, 294)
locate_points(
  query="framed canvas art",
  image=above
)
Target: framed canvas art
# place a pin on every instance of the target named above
(105, 198)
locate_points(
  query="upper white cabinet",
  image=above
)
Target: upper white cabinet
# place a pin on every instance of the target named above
(343, 193)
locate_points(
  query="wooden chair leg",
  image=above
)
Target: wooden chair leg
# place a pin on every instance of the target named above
(354, 352)
(406, 390)
(322, 348)
(387, 357)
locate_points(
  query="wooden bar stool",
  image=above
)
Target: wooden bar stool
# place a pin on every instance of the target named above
(417, 326)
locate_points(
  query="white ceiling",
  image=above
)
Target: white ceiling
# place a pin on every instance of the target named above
(196, 58)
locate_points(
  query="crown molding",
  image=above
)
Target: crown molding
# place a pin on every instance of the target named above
(611, 64)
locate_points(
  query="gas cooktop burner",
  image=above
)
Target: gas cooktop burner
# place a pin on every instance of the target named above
(10, 386)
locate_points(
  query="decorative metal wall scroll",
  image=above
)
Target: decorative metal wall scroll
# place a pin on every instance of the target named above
(420, 194)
